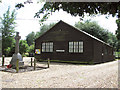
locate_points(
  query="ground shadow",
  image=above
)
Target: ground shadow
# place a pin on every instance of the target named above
(21, 69)
(73, 62)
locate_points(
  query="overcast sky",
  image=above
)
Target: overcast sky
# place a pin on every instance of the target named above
(26, 22)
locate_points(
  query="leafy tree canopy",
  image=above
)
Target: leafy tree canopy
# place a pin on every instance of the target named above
(94, 29)
(0, 42)
(118, 33)
(44, 28)
(8, 30)
(23, 46)
(31, 48)
(78, 8)
(118, 29)
(30, 38)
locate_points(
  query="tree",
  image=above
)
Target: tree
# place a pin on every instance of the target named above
(0, 43)
(80, 8)
(94, 29)
(118, 29)
(31, 48)
(118, 33)
(75, 8)
(30, 38)
(43, 29)
(112, 40)
(23, 46)
(8, 30)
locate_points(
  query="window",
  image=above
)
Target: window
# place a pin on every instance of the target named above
(76, 47)
(80, 46)
(47, 47)
(70, 46)
(43, 47)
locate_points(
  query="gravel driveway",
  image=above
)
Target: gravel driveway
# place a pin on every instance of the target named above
(61, 75)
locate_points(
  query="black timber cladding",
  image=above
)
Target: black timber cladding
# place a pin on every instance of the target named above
(61, 34)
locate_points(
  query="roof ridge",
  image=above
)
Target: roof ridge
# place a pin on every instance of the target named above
(88, 34)
(78, 30)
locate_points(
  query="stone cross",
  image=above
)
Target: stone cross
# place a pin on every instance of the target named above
(17, 38)
(17, 56)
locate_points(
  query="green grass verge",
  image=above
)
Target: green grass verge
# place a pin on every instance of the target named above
(61, 61)
(117, 54)
(117, 59)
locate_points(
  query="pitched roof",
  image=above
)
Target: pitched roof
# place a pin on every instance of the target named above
(76, 29)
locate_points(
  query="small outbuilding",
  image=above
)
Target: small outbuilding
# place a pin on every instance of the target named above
(65, 42)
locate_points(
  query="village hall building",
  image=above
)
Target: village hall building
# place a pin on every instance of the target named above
(65, 42)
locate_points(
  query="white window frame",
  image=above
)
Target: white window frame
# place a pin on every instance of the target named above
(47, 47)
(71, 47)
(80, 46)
(43, 47)
(76, 47)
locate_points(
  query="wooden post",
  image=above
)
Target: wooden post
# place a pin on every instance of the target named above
(31, 62)
(3, 60)
(34, 64)
(48, 62)
(17, 65)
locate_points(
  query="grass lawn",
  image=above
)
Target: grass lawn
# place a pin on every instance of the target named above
(70, 62)
(117, 54)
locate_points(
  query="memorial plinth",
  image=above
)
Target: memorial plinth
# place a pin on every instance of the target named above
(17, 55)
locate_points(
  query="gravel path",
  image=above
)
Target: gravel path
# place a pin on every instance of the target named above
(65, 76)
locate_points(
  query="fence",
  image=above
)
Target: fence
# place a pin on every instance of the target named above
(30, 64)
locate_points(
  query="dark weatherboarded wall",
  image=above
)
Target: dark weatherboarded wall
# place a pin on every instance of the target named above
(61, 34)
(102, 52)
